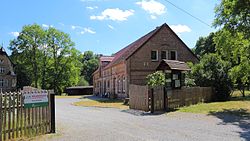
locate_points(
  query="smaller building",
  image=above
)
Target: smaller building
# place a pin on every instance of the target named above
(7, 76)
(79, 90)
(174, 73)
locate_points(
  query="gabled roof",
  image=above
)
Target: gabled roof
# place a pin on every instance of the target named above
(174, 65)
(3, 52)
(129, 50)
(106, 58)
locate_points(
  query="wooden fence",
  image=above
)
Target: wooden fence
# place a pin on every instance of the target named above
(17, 121)
(188, 96)
(138, 97)
(158, 99)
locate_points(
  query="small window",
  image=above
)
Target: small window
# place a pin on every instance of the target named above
(154, 55)
(1, 61)
(1, 82)
(173, 55)
(164, 54)
(2, 70)
(124, 82)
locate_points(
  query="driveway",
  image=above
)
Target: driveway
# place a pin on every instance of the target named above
(108, 124)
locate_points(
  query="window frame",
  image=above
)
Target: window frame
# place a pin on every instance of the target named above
(157, 55)
(170, 56)
(166, 51)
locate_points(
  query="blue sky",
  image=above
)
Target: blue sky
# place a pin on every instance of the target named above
(106, 26)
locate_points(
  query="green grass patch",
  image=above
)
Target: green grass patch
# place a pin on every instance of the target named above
(238, 106)
(102, 103)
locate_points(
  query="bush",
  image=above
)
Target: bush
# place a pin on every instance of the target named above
(156, 79)
(212, 71)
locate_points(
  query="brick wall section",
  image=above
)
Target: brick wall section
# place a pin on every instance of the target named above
(136, 67)
(140, 63)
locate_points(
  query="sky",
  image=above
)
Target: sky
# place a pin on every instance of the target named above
(106, 26)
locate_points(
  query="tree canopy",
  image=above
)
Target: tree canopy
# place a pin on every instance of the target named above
(48, 55)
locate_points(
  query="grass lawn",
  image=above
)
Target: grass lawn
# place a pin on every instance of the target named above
(103, 103)
(237, 106)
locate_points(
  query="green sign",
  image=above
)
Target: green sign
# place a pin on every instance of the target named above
(35, 99)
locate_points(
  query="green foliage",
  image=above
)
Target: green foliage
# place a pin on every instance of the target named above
(48, 55)
(212, 71)
(156, 79)
(234, 16)
(204, 45)
(90, 64)
(83, 82)
(233, 40)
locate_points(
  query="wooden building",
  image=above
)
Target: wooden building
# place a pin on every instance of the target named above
(133, 63)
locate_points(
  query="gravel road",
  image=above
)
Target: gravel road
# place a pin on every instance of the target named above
(107, 124)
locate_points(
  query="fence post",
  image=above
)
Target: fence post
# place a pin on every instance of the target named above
(152, 101)
(52, 108)
(1, 116)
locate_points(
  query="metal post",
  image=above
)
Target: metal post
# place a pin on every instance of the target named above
(53, 114)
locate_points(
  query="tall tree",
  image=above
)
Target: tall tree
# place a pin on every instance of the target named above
(30, 39)
(49, 55)
(64, 64)
(205, 45)
(90, 64)
(233, 40)
(234, 15)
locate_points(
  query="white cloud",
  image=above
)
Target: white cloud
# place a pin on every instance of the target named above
(62, 24)
(46, 26)
(76, 27)
(180, 28)
(15, 34)
(91, 7)
(87, 30)
(82, 30)
(153, 7)
(113, 14)
(110, 26)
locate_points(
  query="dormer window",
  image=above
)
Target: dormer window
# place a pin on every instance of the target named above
(154, 55)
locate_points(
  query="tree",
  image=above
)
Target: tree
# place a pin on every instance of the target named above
(90, 64)
(30, 39)
(212, 71)
(204, 45)
(234, 15)
(49, 55)
(64, 64)
(233, 40)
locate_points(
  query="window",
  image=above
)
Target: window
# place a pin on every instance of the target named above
(1, 82)
(2, 70)
(173, 55)
(1, 61)
(154, 55)
(124, 80)
(164, 54)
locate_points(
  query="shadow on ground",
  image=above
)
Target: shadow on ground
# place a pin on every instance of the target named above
(237, 117)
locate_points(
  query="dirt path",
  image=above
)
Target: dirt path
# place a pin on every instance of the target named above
(107, 124)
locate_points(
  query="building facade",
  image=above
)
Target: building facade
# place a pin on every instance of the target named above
(7, 75)
(133, 63)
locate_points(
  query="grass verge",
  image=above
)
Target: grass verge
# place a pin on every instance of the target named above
(238, 106)
(102, 103)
